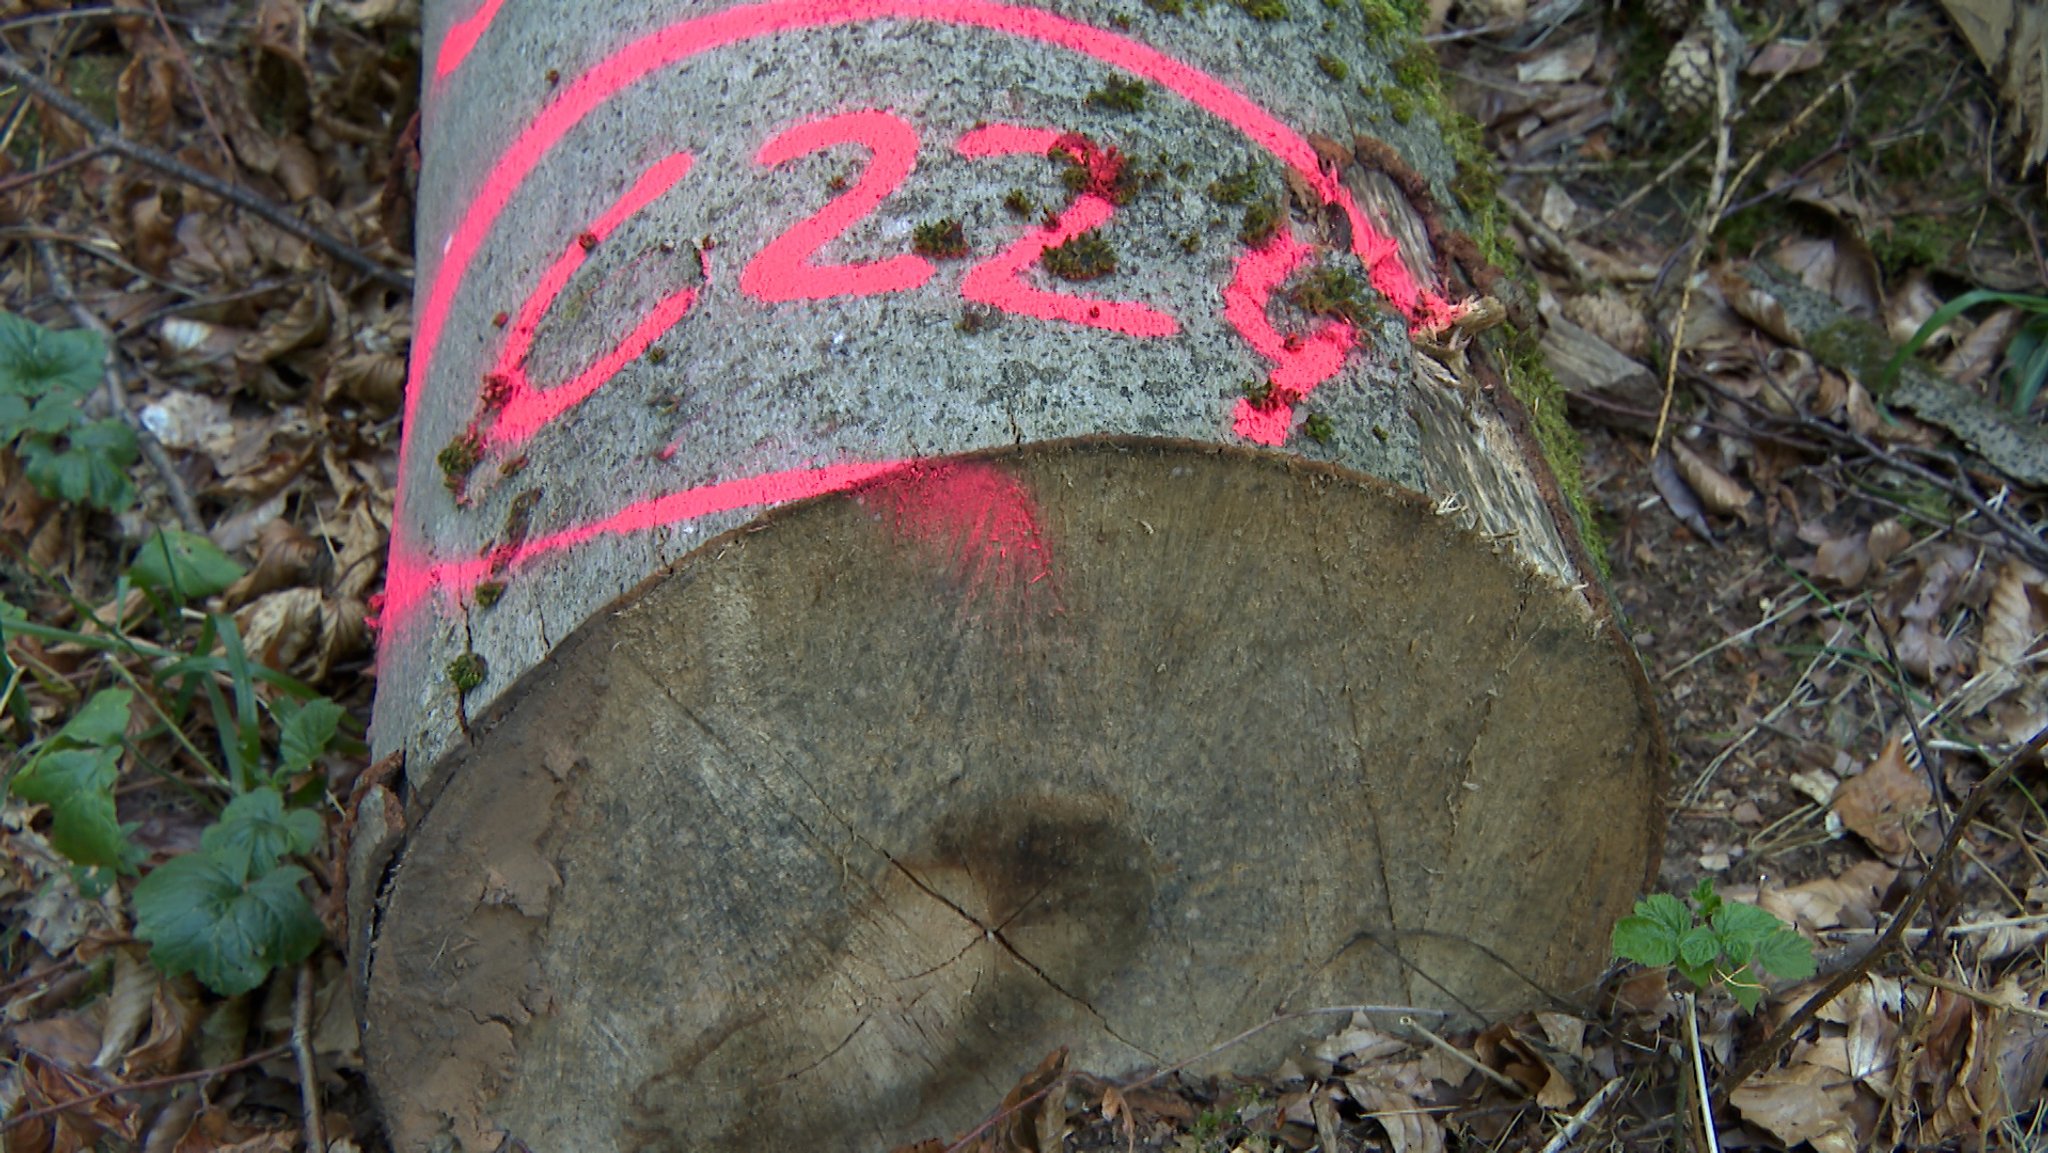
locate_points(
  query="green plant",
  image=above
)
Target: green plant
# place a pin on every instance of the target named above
(1713, 942)
(2026, 358)
(940, 239)
(45, 380)
(234, 909)
(1085, 257)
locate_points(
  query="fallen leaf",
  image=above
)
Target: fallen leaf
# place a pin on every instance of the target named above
(1679, 496)
(1410, 1128)
(1717, 490)
(1883, 802)
(1850, 899)
(1794, 1105)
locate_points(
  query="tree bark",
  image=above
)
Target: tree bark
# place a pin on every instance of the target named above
(1162, 622)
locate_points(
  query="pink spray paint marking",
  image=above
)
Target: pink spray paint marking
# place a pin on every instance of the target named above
(405, 591)
(781, 271)
(999, 281)
(979, 521)
(526, 410)
(462, 37)
(1299, 363)
(408, 564)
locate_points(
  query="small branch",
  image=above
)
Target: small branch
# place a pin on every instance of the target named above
(302, 1051)
(1982, 998)
(24, 179)
(117, 396)
(1577, 1124)
(1466, 1059)
(1767, 1052)
(1699, 1073)
(109, 138)
(20, 1119)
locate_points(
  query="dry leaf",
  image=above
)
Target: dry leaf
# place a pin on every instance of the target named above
(2014, 623)
(1717, 490)
(1888, 538)
(1850, 899)
(282, 628)
(127, 1005)
(1796, 1105)
(1977, 354)
(1679, 496)
(1883, 802)
(1913, 305)
(1844, 560)
(1410, 1128)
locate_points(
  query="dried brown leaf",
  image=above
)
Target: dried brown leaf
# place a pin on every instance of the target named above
(145, 95)
(1850, 899)
(1883, 802)
(1888, 538)
(1718, 491)
(283, 628)
(1679, 496)
(2014, 622)
(1798, 1104)
(1410, 1128)
(1843, 560)
(127, 1004)
(1977, 354)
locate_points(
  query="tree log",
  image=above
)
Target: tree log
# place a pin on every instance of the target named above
(933, 530)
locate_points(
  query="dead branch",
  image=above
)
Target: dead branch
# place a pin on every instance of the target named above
(109, 138)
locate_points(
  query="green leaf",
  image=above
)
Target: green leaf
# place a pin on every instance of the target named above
(201, 918)
(78, 787)
(1705, 899)
(88, 466)
(1785, 955)
(103, 720)
(35, 361)
(255, 832)
(183, 565)
(1698, 947)
(1667, 911)
(1747, 990)
(304, 732)
(1742, 926)
(1645, 941)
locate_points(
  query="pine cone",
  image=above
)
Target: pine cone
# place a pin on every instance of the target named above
(1687, 85)
(1670, 16)
(1613, 318)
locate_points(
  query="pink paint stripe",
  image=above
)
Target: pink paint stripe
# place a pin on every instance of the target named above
(1299, 364)
(782, 270)
(1005, 140)
(529, 410)
(462, 37)
(998, 281)
(411, 579)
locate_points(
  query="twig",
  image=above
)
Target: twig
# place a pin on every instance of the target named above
(1466, 1059)
(1742, 637)
(1710, 211)
(1699, 1073)
(117, 396)
(20, 1119)
(24, 179)
(302, 1051)
(106, 136)
(1767, 1052)
(1962, 990)
(1577, 1124)
(1547, 238)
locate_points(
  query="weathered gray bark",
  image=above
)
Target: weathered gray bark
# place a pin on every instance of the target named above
(840, 816)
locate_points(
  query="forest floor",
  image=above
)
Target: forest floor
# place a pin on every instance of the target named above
(1836, 584)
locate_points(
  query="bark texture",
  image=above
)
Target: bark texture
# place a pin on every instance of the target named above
(1071, 695)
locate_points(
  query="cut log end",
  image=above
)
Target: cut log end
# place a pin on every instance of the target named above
(825, 837)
